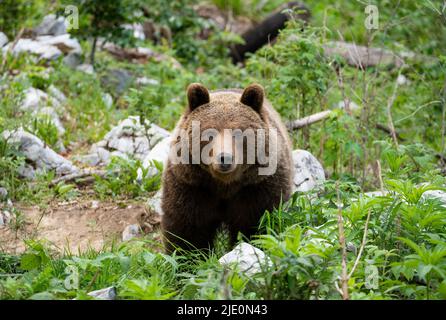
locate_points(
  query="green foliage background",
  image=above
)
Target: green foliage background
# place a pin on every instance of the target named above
(404, 255)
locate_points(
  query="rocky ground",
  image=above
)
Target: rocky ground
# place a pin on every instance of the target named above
(72, 226)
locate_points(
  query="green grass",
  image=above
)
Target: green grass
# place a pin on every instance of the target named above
(128, 178)
(405, 260)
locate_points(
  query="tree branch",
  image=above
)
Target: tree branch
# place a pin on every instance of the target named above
(344, 276)
(389, 112)
(361, 249)
(314, 118)
(88, 174)
(301, 123)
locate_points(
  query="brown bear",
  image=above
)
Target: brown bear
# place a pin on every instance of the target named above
(240, 166)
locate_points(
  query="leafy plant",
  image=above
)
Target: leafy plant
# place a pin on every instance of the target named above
(128, 177)
(13, 14)
(299, 53)
(11, 161)
(45, 129)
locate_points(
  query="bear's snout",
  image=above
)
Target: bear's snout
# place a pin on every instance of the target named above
(223, 156)
(225, 162)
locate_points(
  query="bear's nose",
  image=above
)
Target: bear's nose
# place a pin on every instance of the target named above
(224, 161)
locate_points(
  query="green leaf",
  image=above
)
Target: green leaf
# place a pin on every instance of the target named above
(442, 290)
(30, 261)
(423, 270)
(371, 275)
(42, 296)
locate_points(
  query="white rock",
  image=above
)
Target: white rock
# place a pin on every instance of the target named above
(3, 39)
(42, 105)
(130, 138)
(430, 194)
(5, 218)
(248, 258)
(144, 81)
(26, 171)
(402, 80)
(122, 144)
(49, 53)
(57, 94)
(436, 194)
(85, 67)
(119, 154)
(88, 159)
(377, 193)
(146, 51)
(73, 59)
(98, 155)
(361, 56)
(139, 175)
(159, 153)
(104, 294)
(51, 25)
(94, 204)
(63, 42)
(130, 232)
(141, 147)
(44, 51)
(138, 30)
(117, 80)
(154, 203)
(127, 127)
(3, 193)
(308, 171)
(352, 105)
(38, 154)
(157, 134)
(407, 54)
(34, 99)
(104, 155)
(108, 100)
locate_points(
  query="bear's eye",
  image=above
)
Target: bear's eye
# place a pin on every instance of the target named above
(209, 134)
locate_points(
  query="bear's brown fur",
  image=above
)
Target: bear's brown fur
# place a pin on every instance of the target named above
(197, 198)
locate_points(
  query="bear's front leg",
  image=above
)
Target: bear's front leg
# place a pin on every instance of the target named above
(190, 218)
(178, 233)
(248, 206)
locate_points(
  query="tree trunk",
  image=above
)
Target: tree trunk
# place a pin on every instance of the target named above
(93, 51)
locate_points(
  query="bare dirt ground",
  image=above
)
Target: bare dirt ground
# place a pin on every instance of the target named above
(75, 225)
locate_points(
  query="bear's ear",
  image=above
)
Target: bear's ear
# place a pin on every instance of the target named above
(197, 95)
(253, 96)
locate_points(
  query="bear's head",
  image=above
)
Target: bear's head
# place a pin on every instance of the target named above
(225, 130)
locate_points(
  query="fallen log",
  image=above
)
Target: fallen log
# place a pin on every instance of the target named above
(307, 121)
(267, 30)
(362, 57)
(388, 131)
(300, 123)
(87, 175)
(139, 55)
